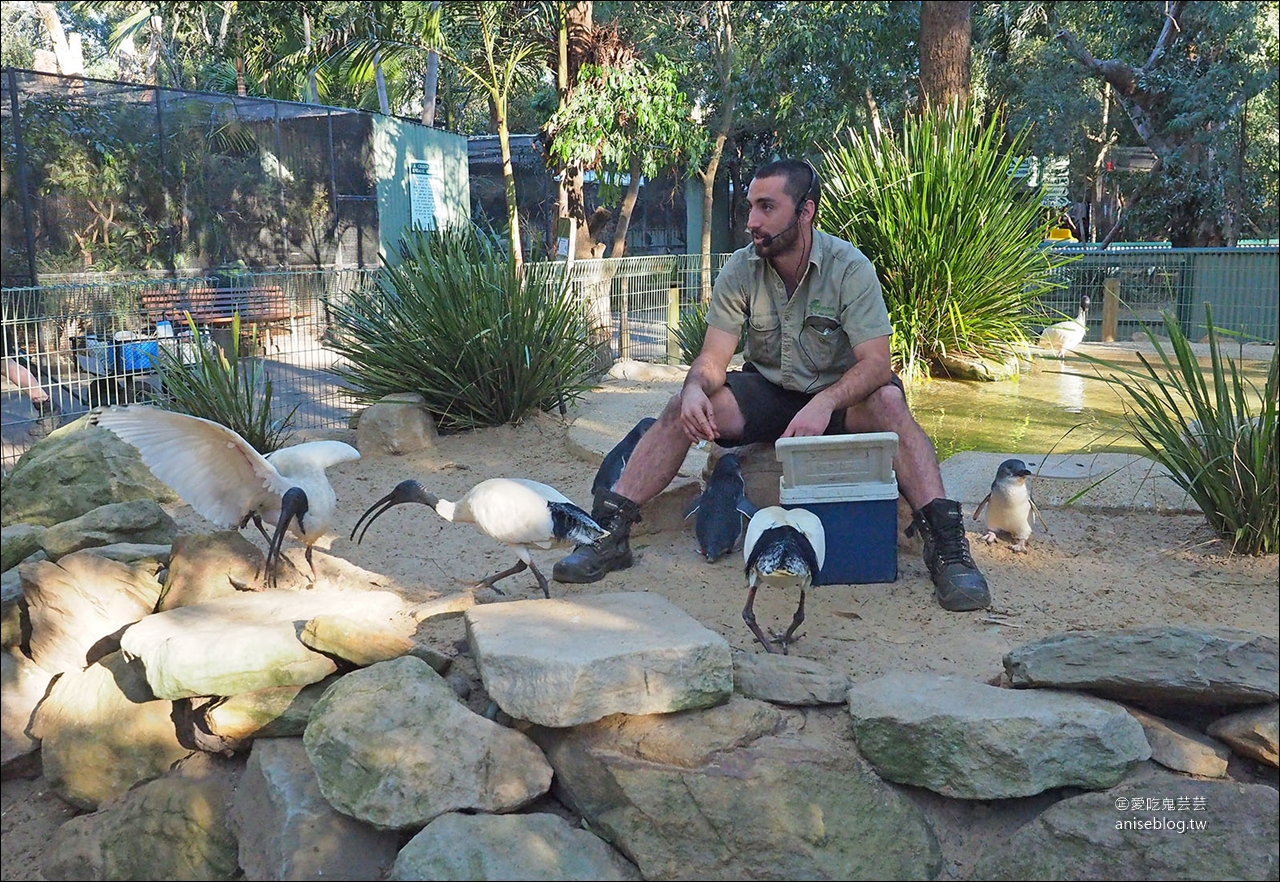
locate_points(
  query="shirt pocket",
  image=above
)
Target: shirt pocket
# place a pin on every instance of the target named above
(825, 342)
(764, 335)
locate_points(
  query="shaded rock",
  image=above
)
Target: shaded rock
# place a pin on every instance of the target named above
(1251, 733)
(150, 557)
(281, 712)
(972, 741)
(396, 424)
(13, 610)
(73, 471)
(1105, 836)
(18, 542)
(567, 662)
(392, 746)
(739, 791)
(245, 642)
(101, 731)
(533, 846)
(286, 829)
(1157, 664)
(206, 566)
(141, 520)
(1181, 748)
(788, 679)
(23, 684)
(79, 606)
(175, 827)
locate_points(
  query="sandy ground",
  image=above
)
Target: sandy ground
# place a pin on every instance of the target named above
(1093, 571)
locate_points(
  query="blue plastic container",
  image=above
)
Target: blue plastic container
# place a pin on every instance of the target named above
(138, 355)
(861, 526)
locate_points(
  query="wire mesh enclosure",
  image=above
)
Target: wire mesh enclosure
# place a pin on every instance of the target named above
(110, 176)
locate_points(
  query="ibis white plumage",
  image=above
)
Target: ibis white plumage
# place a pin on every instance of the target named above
(1065, 336)
(226, 480)
(521, 513)
(783, 548)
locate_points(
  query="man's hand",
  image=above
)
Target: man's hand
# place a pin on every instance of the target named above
(697, 416)
(812, 419)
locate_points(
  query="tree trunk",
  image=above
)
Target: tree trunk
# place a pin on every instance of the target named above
(628, 207)
(430, 82)
(944, 51)
(575, 28)
(499, 111)
(68, 52)
(383, 104)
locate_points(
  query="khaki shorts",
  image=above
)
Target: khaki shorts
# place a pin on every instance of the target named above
(768, 409)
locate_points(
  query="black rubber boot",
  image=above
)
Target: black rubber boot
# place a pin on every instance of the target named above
(591, 563)
(958, 583)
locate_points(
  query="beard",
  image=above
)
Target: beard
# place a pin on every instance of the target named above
(780, 244)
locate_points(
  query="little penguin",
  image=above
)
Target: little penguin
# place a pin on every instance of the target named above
(1009, 506)
(720, 509)
(616, 459)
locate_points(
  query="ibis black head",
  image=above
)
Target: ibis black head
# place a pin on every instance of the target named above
(292, 505)
(405, 491)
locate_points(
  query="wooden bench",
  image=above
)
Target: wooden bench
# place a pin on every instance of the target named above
(217, 307)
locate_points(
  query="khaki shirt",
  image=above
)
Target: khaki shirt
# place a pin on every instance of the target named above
(804, 343)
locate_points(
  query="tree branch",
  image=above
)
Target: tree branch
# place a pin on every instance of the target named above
(1167, 34)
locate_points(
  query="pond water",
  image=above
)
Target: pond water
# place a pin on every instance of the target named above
(1056, 407)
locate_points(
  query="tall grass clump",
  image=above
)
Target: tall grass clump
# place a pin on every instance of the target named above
(454, 320)
(1217, 439)
(954, 237)
(692, 330)
(222, 386)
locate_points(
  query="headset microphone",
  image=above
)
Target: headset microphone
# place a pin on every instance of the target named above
(767, 239)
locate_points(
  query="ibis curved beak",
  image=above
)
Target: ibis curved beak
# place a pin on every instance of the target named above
(405, 491)
(292, 505)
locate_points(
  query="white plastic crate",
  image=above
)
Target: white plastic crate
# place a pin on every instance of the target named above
(830, 460)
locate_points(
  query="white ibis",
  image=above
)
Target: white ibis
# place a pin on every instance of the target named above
(784, 548)
(521, 513)
(222, 477)
(1065, 336)
(720, 508)
(1009, 506)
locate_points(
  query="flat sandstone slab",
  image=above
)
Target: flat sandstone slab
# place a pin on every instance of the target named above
(561, 663)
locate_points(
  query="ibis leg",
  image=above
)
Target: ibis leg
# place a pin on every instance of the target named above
(795, 623)
(749, 616)
(488, 581)
(542, 581)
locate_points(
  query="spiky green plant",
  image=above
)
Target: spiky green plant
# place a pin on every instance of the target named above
(454, 320)
(691, 331)
(222, 386)
(954, 238)
(1219, 443)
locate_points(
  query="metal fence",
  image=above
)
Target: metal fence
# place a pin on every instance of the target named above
(1133, 287)
(81, 343)
(90, 344)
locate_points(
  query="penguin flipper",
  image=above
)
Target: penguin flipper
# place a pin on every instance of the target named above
(977, 512)
(693, 506)
(746, 506)
(1035, 515)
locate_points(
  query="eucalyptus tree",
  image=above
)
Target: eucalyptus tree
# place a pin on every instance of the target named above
(631, 121)
(945, 35)
(498, 47)
(1194, 82)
